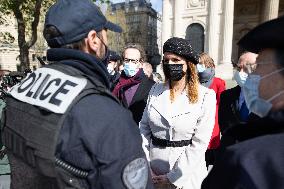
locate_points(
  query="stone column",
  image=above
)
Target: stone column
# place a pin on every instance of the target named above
(178, 9)
(213, 24)
(269, 10)
(166, 26)
(225, 65)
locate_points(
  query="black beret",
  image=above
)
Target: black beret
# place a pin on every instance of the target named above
(267, 35)
(113, 56)
(181, 47)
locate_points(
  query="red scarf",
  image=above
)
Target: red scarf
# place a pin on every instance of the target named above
(126, 82)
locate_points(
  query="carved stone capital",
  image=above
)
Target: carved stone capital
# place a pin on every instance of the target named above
(193, 4)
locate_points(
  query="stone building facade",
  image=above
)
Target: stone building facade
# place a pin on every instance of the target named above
(9, 52)
(143, 25)
(215, 26)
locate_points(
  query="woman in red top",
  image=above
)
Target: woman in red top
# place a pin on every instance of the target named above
(206, 73)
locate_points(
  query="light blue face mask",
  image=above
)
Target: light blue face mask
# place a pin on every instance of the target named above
(200, 68)
(254, 103)
(240, 77)
(130, 69)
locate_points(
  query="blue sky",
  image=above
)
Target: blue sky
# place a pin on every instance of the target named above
(156, 4)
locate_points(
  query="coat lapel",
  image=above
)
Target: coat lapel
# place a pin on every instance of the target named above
(235, 102)
(142, 91)
(162, 102)
(169, 111)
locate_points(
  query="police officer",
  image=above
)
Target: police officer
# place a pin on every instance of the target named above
(256, 162)
(62, 127)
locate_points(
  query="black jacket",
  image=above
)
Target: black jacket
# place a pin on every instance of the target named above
(228, 109)
(229, 116)
(139, 100)
(114, 80)
(89, 139)
(256, 162)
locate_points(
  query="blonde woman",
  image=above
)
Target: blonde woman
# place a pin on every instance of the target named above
(206, 74)
(178, 120)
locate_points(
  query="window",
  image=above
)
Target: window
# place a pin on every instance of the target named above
(33, 57)
(195, 34)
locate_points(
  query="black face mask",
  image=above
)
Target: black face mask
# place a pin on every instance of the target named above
(107, 53)
(173, 72)
(106, 58)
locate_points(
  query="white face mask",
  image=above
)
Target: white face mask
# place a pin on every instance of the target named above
(110, 69)
(254, 103)
(200, 68)
(130, 69)
(240, 78)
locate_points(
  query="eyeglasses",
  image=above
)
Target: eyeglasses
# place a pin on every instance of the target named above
(248, 68)
(127, 60)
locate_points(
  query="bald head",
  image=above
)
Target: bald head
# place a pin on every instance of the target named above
(247, 61)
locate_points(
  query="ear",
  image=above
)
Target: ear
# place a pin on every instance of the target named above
(92, 41)
(140, 64)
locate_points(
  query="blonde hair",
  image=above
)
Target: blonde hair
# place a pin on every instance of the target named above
(206, 60)
(192, 84)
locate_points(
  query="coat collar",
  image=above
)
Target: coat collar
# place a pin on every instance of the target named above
(162, 102)
(142, 91)
(180, 106)
(85, 62)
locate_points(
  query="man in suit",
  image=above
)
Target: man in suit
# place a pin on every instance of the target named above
(133, 86)
(232, 108)
(256, 162)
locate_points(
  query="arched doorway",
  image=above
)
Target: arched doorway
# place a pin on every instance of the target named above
(195, 34)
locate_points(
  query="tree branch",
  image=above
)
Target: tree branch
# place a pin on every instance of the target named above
(21, 23)
(35, 22)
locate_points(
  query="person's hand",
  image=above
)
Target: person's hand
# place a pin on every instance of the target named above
(161, 179)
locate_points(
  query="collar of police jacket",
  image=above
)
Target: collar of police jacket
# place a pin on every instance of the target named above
(86, 63)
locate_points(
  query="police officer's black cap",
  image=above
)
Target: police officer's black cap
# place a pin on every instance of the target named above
(113, 56)
(267, 35)
(181, 47)
(74, 19)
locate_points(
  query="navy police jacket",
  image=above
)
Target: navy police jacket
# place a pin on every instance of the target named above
(98, 134)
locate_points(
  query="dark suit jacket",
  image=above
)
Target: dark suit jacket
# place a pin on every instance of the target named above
(228, 109)
(229, 117)
(139, 99)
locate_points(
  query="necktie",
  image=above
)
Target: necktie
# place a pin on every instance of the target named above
(244, 112)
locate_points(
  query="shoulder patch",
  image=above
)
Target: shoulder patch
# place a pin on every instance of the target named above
(135, 174)
(49, 88)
